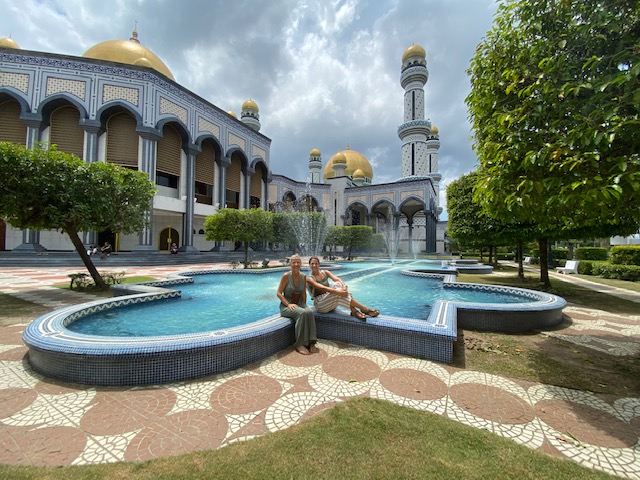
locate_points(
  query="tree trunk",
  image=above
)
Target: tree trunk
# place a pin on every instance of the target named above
(544, 267)
(80, 248)
(246, 254)
(520, 266)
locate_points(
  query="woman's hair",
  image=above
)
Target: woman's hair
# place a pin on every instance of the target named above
(314, 258)
(295, 256)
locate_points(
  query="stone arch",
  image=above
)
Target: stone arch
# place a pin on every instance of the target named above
(167, 236)
(8, 93)
(356, 213)
(12, 129)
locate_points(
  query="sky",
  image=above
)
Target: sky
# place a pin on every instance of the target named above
(324, 73)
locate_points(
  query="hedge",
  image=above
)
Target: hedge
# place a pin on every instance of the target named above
(625, 255)
(591, 253)
(620, 272)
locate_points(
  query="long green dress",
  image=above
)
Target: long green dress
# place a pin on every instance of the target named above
(305, 322)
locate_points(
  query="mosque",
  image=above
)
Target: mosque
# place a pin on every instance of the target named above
(119, 103)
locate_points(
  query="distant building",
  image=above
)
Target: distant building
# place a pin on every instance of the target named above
(119, 103)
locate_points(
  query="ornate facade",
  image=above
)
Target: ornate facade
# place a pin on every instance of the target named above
(129, 111)
(119, 103)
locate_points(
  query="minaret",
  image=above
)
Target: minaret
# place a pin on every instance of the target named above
(415, 131)
(249, 115)
(315, 166)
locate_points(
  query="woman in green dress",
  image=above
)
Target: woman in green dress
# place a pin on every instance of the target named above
(293, 304)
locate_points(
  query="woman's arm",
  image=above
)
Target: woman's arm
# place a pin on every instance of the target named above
(333, 277)
(321, 288)
(281, 287)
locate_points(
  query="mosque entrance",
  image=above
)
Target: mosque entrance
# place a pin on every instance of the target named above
(167, 237)
(108, 236)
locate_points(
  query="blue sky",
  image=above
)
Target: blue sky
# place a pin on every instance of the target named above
(323, 73)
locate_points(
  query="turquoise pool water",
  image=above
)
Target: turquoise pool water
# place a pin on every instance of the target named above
(221, 301)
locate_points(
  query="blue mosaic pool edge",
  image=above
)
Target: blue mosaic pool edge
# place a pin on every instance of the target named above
(60, 353)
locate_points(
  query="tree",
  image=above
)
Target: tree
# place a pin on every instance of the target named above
(554, 107)
(470, 225)
(358, 236)
(45, 189)
(245, 226)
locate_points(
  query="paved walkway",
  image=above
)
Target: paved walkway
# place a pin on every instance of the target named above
(43, 422)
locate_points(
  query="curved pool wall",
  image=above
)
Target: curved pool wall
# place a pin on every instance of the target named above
(57, 352)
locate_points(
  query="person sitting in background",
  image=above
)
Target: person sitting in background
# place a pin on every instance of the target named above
(326, 297)
(92, 250)
(173, 249)
(106, 249)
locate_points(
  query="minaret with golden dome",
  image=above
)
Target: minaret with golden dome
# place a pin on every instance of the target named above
(315, 166)
(249, 115)
(418, 148)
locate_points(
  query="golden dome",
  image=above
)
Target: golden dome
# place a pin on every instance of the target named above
(8, 42)
(358, 174)
(232, 114)
(338, 158)
(354, 160)
(412, 51)
(314, 153)
(250, 105)
(128, 51)
(434, 130)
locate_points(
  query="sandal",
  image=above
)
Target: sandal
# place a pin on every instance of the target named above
(357, 314)
(302, 350)
(372, 312)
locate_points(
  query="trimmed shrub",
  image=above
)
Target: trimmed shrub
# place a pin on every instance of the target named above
(591, 253)
(585, 267)
(630, 273)
(559, 253)
(625, 255)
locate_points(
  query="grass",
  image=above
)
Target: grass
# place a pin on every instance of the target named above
(539, 358)
(359, 439)
(92, 290)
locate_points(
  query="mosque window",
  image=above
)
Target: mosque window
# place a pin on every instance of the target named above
(204, 193)
(232, 199)
(166, 180)
(413, 105)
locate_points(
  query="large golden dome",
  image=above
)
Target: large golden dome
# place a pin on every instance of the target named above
(355, 161)
(128, 51)
(8, 42)
(414, 50)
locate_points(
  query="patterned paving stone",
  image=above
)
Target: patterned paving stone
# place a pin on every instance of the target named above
(246, 394)
(179, 433)
(15, 399)
(586, 424)
(112, 413)
(41, 446)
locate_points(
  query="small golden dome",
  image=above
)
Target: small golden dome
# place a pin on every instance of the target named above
(314, 153)
(434, 130)
(358, 174)
(250, 105)
(413, 51)
(8, 42)
(338, 158)
(128, 51)
(232, 114)
(354, 160)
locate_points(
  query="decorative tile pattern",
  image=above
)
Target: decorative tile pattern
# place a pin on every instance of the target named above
(64, 85)
(19, 81)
